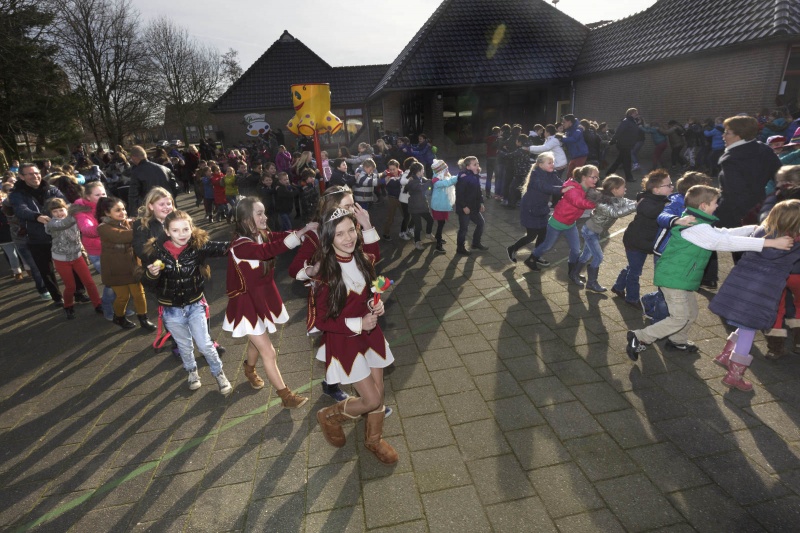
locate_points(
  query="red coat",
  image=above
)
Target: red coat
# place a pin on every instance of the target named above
(218, 184)
(573, 204)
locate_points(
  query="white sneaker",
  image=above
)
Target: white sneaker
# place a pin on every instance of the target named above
(418, 245)
(194, 380)
(224, 385)
(405, 236)
(431, 237)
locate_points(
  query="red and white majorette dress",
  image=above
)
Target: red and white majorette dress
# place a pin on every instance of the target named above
(348, 352)
(254, 304)
(304, 257)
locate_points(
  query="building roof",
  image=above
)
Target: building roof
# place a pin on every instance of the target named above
(672, 28)
(288, 61)
(466, 42)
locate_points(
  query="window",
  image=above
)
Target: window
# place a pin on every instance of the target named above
(458, 112)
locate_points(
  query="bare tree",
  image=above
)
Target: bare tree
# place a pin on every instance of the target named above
(231, 69)
(101, 49)
(187, 75)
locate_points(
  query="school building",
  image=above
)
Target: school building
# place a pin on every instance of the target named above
(479, 63)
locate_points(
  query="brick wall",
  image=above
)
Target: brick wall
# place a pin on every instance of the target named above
(740, 80)
(392, 116)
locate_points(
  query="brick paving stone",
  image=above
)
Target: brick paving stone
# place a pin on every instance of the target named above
(281, 513)
(781, 417)
(766, 448)
(169, 495)
(391, 500)
(630, 428)
(600, 458)
(637, 503)
(465, 407)
(331, 486)
(514, 413)
(564, 490)
(778, 515)
(480, 439)
(441, 359)
(599, 398)
(482, 363)
(439, 468)
(417, 401)
(741, 478)
(570, 420)
(456, 510)
(427, 431)
(668, 468)
(280, 475)
(499, 479)
(465, 344)
(527, 367)
(521, 515)
(345, 519)
(600, 520)
(694, 438)
(498, 385)
(547, 391)
(451, 381)
(708, 508)
(537, 447)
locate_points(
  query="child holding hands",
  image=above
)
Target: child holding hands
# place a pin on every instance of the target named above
(178, 272)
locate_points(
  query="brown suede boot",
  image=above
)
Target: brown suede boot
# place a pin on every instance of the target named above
(330, 421)
(252, 376)
(291, 400)
(776, 342)
(373, 441)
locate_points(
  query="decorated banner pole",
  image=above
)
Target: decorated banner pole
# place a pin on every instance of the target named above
(312, 107)
(380, 285)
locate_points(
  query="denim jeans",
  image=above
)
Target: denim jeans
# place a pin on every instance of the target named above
(108, 293)
(591, 248)
(571, 233)
(628, 279)
(27, 259)
(463, 224)
(187, 324)
(286, 221)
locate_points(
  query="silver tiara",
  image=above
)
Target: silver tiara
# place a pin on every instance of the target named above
(338, 213)
(340, 190)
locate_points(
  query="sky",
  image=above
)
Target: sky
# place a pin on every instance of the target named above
(343, 32)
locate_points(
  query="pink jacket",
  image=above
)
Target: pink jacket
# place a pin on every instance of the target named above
(573, 204)
(83, 211)
(283, 161)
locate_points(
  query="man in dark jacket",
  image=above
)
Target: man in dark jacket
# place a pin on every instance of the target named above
(625, 137)
(145, 175)
(28, 198)
(574, 143)
(746, 167)
(248, 182)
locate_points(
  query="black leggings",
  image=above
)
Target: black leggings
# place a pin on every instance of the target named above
(536, 234)
(417, 218)
(439, 228)
(404, 225)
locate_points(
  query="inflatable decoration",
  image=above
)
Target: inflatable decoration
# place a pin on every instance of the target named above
(312, 106)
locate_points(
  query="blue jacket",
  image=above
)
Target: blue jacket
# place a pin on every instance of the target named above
(468, 191)
(208, 188)
(658, 137)
(716, 137)
(573, 140)
(671, 213)
(29, 204)
(439, 199)
(534, 211)
(424, 154)
(751, 292)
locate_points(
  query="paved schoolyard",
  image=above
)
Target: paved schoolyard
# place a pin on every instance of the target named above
(516, 409)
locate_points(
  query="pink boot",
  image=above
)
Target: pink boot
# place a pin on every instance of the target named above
(734, 378)
(725, 355)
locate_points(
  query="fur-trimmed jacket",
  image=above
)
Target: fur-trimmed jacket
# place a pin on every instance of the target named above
(66, 236)
(118, 265)
(182, 279)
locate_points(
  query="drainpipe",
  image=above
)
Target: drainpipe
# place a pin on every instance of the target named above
(572, 105)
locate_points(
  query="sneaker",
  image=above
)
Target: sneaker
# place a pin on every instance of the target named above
(70, 313)
(81, 297)
(634, 347)
(220, 349)
(512, 254)
(418, 245)
(335, 392)
(405, 236)
(130, 312)
(479, 247)
(176, 353)
(223, 383)
(543, 262)
(708, 284)
(431, 237)
(687, 347)
(463, 251)
(194, 380)
(45, 296)
(387, 237)
(617, 292)
(387, 411)
(439, 249)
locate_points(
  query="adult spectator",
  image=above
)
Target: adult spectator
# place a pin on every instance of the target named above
(574, 142)
(625, 137)
(145, 175)
(28, 198)
(248, 182)
(746, 166)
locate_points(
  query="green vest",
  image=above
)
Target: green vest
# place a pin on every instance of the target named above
(682, 264)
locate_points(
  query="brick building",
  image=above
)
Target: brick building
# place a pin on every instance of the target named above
(478, 63)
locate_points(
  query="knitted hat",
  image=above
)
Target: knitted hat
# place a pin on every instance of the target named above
(439, 167)
(795, 139)
(776, 139)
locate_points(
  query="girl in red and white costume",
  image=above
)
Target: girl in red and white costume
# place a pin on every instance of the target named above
(302, 267)
(353, 346)
(254, 305)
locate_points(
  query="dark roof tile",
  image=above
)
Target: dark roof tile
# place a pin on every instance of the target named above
(672, 28)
